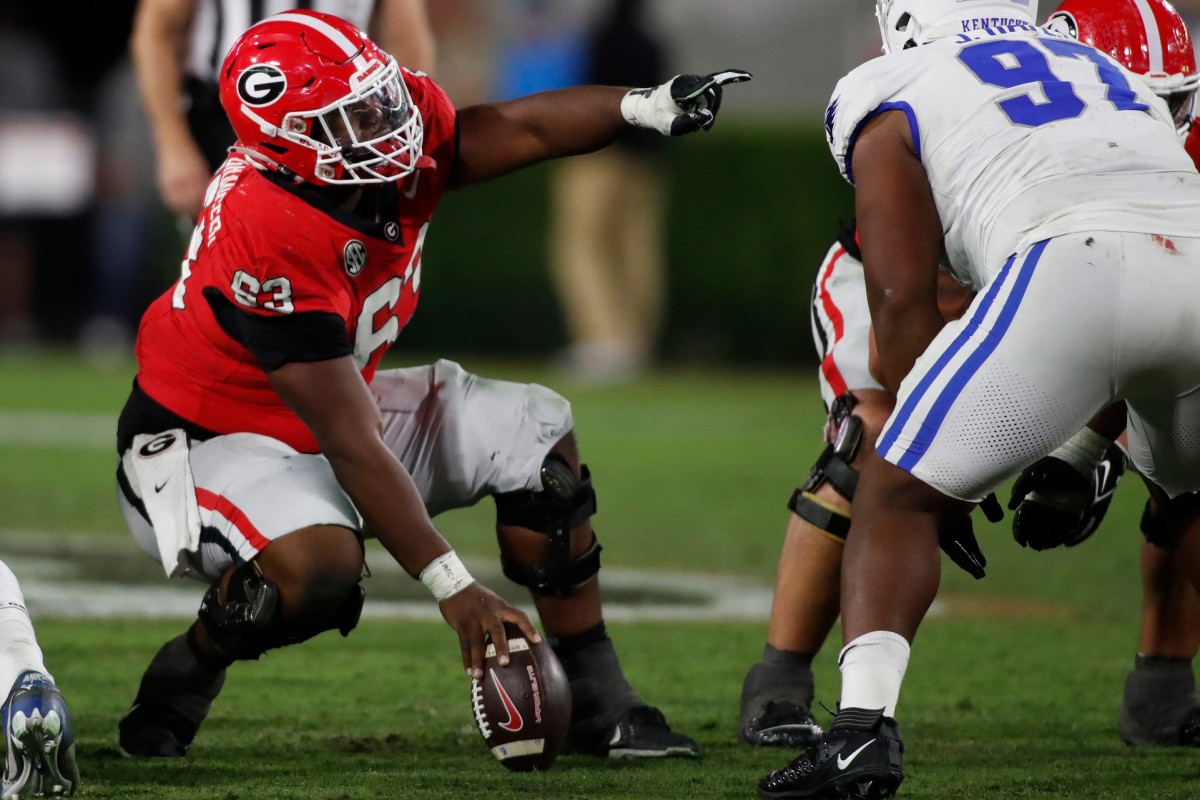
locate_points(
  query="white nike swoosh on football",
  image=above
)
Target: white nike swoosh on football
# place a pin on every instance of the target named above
(845, 762)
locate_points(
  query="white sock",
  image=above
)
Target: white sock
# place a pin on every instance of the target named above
(19, 649)
(873, 668)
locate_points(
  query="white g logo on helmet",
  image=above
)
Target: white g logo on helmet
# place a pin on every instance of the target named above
(1062, 22)
(261, 85)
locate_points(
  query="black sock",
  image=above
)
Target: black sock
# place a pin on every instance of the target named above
(564, 646)
(790, 658)
(600, 692)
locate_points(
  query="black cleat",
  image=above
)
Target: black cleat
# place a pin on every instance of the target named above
(781, 724)
(860, 757)
(1159, 705)
(1189, 732)
(173, 699)
(639, 732)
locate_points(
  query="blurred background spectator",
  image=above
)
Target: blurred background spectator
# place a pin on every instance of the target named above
(49, 162)
(606, 240)
(123, 227)
(86, 236)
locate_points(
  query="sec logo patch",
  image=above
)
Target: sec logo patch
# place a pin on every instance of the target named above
(354, 256)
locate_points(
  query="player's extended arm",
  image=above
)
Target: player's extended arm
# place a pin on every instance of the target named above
(497, 138)
(901, 237)
(157, 44)
(334, 401)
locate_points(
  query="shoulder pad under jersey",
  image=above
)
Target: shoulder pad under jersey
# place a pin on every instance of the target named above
(869, 89)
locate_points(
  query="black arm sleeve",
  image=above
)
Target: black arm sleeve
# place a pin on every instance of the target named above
(275, 341)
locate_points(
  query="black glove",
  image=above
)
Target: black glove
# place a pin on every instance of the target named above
(957, 540)
(684, 104)
(1069, 507)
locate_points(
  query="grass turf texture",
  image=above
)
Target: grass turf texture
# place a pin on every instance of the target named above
(1011, 694)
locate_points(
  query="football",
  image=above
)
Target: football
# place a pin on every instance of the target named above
(523, 710)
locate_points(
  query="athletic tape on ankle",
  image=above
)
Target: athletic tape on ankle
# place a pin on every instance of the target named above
(1083, 451)
(446, 576)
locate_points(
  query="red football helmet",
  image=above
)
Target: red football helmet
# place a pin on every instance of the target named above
(311, 94)
(1147, 37)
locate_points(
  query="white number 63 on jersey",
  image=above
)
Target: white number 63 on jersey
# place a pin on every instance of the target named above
(248, 290)
(367, 338)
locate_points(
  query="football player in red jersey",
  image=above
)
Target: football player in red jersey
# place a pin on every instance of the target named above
(259, 444)
(1159, 705)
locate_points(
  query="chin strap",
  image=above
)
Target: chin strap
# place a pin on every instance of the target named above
(264, 162)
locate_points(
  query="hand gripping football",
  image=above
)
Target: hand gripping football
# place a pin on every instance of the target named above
(523, 710)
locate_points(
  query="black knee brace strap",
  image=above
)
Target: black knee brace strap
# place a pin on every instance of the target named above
(240, 625)
(814, 511)
(247, 623)
(1157, 531)
(565, 502)
(833, 467)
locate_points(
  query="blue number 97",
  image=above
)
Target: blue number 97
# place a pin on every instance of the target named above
(985, 60)
(1009, 63)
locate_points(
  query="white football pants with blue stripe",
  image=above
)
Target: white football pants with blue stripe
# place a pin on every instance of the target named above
(1068, 326)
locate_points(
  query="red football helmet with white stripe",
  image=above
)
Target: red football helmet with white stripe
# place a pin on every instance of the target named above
(1148, 37)
(308, 93)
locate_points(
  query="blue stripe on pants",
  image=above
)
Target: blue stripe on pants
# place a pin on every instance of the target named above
(941, 407)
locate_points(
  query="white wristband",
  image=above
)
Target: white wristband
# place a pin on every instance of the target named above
(446, 576)
(651, 107)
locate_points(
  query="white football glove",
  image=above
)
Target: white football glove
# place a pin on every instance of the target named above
(684, 104)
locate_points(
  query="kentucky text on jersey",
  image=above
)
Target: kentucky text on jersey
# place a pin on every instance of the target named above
(995, 25)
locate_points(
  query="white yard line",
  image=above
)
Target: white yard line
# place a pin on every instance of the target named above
(65, 575)
(57, 429)
(54, 575)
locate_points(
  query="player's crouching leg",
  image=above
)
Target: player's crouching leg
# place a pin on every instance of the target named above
(547, 544)
(301, 584)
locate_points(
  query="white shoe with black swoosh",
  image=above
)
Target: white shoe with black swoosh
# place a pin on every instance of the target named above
(861, 756)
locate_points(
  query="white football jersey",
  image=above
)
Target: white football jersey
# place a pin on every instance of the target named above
(1025, 134)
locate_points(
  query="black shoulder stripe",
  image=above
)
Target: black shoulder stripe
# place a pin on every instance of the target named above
(278, 340)
(846, 239)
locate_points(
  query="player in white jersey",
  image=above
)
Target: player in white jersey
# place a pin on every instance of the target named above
(1039, 169)
(1159, 704)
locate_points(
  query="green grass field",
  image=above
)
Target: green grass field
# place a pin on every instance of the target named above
(1011, 693)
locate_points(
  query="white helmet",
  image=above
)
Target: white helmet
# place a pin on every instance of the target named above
(908, 23)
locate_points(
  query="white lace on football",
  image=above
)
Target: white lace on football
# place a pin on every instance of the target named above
(477, 706)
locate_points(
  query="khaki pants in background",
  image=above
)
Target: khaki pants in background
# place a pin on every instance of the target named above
(607, 259)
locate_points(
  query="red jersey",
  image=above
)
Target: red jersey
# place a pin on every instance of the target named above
(269, 250)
